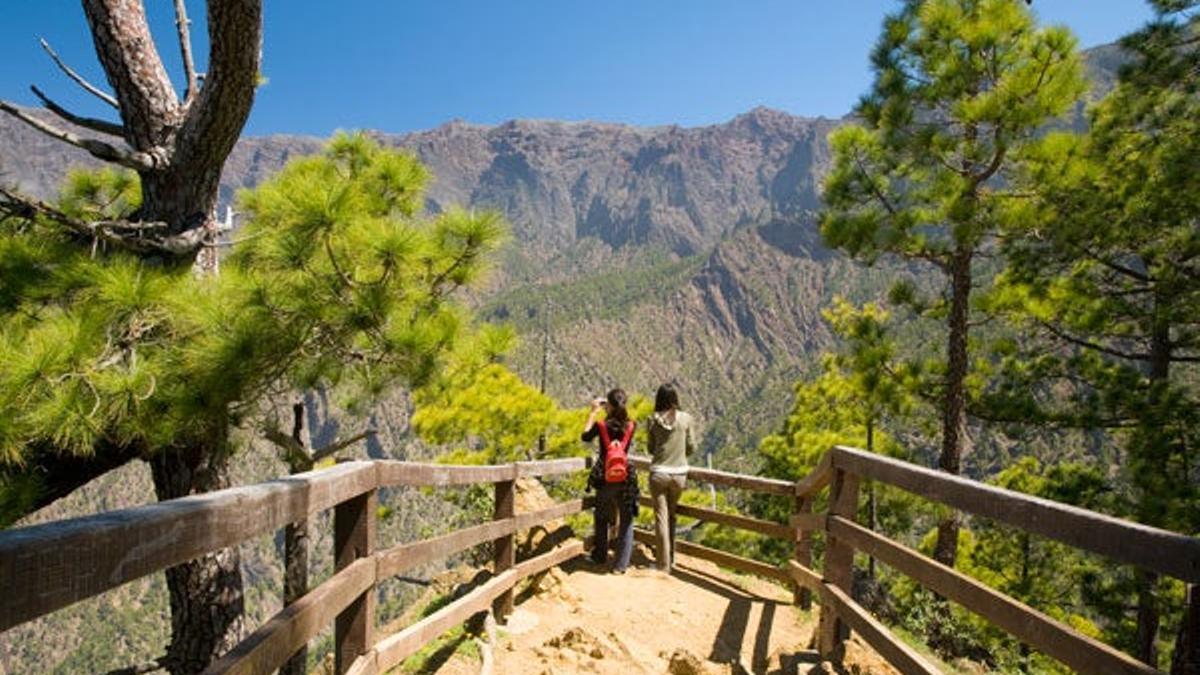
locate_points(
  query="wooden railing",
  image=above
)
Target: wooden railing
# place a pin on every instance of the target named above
(46, 567)
(843, 469)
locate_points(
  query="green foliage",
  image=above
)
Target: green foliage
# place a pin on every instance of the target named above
(959, 85)
(336, 281)
(497, 417)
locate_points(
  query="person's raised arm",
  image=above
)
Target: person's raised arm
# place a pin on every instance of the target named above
(589, 426)
(689, 438)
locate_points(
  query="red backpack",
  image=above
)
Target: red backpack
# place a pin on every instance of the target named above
(616, 456)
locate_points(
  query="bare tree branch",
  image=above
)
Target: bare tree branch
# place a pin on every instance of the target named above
(328, 450)
(102, 126)
(91, 88)
(1095, 346)
(182, 23)
(296, 454)
(138, 161)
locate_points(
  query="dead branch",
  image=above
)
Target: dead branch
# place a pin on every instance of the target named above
(182, 23)
(138, 161)
(328, 450)
(102, 126)
(91, 88)
(294, 453)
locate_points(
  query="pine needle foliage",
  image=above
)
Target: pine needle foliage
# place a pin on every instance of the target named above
(337, 280)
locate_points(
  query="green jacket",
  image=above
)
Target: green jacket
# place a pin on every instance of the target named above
(671, 441)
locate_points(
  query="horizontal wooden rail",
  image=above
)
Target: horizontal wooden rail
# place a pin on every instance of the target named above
(49, 566)
(896, 652)
(805, 577)
(817, 478)
(1043, 633)
(733, 562)
(770, 486)
(269, 647)
(764, 527)
(1150, 548)
(891, 648)
(399, 559)
(393, 473)
(393, 649)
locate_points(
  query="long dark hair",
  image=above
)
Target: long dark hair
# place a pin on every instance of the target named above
(616, 406)
(666, 398)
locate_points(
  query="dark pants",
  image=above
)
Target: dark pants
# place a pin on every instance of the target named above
(610, 501)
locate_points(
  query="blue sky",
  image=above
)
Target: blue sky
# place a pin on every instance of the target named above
(402, 66)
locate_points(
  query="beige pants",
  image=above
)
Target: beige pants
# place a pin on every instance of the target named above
(665, 489)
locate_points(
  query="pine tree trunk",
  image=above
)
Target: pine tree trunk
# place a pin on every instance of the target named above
(954, 401)
(295, 551)
(1149, 471)
(295, 584)
(872, 507)
(1186, 658)
(205, 593)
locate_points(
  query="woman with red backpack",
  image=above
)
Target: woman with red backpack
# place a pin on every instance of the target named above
(612, 477)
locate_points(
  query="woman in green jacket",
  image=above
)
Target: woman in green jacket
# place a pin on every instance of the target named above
(672, 437)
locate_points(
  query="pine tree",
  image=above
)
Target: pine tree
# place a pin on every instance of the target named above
(1105, 263)
(961, 86)
(336, 282)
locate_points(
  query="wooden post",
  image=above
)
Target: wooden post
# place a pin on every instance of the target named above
(839, 562)
(504, 548)
(803, 553)
(354, 538)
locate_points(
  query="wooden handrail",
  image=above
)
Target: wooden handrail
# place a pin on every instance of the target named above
(1043, 633)
(1150, 548)
(276, 640)
(395, 473)
(722, 558)
(46, 567)
(393, 649)
(764, 527)
(771, 486)
(49, 566)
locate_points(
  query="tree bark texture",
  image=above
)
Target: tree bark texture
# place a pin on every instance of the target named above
(954, 420)
(206, 593)
(1186, 658)
(295, 553)
(1150, 468)
(187, 142)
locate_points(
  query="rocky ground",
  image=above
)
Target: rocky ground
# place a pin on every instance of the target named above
(698, 620)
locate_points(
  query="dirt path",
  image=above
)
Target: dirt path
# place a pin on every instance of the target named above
(697, 620)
